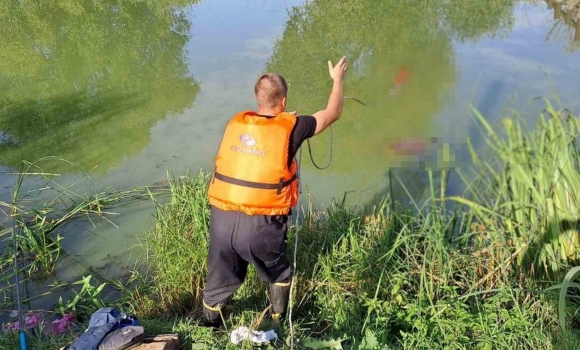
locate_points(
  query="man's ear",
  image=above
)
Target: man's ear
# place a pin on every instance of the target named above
(284, 102)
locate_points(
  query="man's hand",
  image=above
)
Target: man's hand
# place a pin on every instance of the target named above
(337, 72)
(333, 109)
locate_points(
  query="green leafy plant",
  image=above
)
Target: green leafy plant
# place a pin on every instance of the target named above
(87, 300)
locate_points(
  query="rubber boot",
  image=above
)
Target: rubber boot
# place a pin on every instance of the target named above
(279, 294)
(212, 315)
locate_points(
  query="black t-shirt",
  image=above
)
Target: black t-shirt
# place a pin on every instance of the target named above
(303, 129)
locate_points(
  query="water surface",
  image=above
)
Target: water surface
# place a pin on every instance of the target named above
(127, 90)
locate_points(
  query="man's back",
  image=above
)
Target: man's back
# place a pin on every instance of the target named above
(253, 173)
(254, 187)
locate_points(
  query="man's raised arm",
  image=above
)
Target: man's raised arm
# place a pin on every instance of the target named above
(333, 109)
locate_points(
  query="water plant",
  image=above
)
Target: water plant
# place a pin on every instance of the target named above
(482, 275)
(175, 247)
(392, 276)
(523, 193)
(365, 277)
(56, 205)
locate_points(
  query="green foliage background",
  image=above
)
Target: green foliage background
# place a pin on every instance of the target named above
(380, 38)
(87, 80)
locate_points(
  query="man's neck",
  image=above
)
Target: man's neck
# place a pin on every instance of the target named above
(269, 111)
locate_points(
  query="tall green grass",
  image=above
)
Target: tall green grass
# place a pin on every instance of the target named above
(525, 194)
(389, 276)
(363, 277)
(488, 275)
(175, 247)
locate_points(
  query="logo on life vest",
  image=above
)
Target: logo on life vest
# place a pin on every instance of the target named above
(248, 142)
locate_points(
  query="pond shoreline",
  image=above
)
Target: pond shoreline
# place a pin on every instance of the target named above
(384, 275)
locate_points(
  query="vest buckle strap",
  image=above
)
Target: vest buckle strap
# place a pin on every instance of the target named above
(265, 186)
(280, 186)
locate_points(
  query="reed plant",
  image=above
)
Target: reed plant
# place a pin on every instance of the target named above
(366, 278)
(175, 247)
(415, 277)
(523, 193)
(486, 275)
(39, 214)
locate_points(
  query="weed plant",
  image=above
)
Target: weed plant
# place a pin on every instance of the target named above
(383, 277)
(376, 277)
(524, 193)
(175, 247)
(485, 276)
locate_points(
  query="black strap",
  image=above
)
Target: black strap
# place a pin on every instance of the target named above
(279, 186)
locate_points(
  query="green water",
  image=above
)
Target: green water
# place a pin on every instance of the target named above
(127, 89)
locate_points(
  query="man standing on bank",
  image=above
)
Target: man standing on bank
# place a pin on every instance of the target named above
(254, 187)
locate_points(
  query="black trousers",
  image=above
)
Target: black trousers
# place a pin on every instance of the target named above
(237, 239)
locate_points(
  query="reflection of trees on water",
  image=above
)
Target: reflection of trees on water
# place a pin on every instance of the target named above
(86, 80)
(472, 19)
(381, 39)
(387, 42)
(563, 32)
(564, 29)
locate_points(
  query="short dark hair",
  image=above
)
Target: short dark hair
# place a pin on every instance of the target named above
(269, 89)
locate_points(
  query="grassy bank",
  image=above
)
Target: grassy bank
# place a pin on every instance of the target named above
(485, 276)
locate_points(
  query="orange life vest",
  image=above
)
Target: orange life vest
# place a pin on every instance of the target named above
(251, 167)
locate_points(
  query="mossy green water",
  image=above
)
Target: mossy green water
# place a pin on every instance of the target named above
(384, 277)
(86, 81)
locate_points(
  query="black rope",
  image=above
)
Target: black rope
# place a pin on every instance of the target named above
(356, 99)
(330, 148)
(330, 156)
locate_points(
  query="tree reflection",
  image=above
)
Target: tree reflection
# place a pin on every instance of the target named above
(86, 81)
(401, 63)
(402, 68)
(472, 19)
(566, 31)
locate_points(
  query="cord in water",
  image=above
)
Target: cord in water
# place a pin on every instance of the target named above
(330, 148)
(297, 223)
(330, 155)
